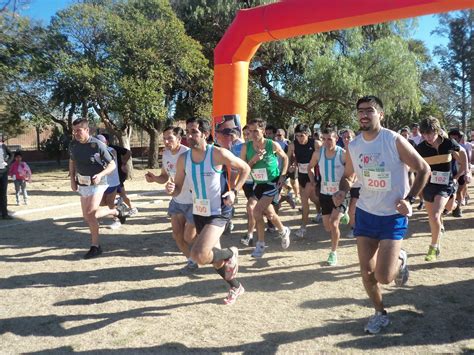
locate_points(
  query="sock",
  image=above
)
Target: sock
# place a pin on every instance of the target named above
(250, 235)
(232, 283)
(221, 254)
(434, 246)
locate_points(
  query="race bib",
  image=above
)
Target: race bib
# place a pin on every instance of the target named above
(329, 187)
(83, 180)
(303, 168)
(202, 207)
(377, 180)
(259, 174)
(440, 177)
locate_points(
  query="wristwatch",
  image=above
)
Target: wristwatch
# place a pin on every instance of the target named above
(410, 199)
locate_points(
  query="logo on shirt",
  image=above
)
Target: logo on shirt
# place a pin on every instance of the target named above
(371, 161)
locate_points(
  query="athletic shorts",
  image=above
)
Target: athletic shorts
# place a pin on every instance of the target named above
(432, 190)
(248, 190)
(90, 190)
(355, 192)
(327, 205)
(184, 209)
(392, 227)
(201, 221)
(303, 179)
(267, 189)
(461, 180)
(291, 175)
(112, 189)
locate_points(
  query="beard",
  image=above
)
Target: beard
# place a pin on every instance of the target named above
(365, 128)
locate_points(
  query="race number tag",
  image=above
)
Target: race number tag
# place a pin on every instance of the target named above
(202, 207)
(303, 168)
(440, 177)
(259, 174)
(329, 187)
(377, 180)
(83, 180)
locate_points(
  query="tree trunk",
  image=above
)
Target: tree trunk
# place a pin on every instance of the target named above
(153, 149)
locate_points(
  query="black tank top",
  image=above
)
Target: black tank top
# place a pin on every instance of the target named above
(304, 152)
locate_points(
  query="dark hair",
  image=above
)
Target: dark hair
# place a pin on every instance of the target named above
(329, 130)
(177, 131)
(271, 128)
(415, 125)
(430, 124)
(259, 122)
(302, 128)
(79, 121)
(106, 136)
(405, 129)
(245, 127)
(455, 132)
(17, 154)
(203, 124)
(374, 100)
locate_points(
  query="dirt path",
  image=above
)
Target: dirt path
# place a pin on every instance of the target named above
(132, 299)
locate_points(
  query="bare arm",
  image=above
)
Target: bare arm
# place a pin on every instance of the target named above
(291, 154)
(312, 164)
(346, 181)
(174, 187)
(160, 179)
(72, 174)
(279, 152)
(107, 171)
(225, 157)
(461, 158)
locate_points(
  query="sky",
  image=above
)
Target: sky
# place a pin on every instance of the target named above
(43, 10)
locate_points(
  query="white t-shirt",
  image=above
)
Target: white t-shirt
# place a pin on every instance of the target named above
(113, 178)
(169, 164)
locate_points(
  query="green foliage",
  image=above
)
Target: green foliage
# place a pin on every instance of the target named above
(56, 144)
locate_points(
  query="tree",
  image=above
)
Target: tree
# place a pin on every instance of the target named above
(457, 60)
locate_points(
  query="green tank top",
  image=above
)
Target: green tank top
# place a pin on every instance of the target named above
(265, 170)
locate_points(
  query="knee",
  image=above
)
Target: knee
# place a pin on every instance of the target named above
(383, 278)
(90, 216)
(201, 257)
(189, 237)
(257, 213)
(367, 274)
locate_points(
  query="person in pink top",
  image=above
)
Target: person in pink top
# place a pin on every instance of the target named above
(21, 174)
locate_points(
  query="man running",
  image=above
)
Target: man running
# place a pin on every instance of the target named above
(331, 159)
(301, 151)
(181, 206)
(379, 158)
(89, 164)
(203, 167)
(262, 156)
(438, 152)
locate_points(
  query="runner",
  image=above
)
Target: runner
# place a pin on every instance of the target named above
(379, 158)
(262, 156)
(181, 207)
(202, 167)
(301, 151)
(89, 165)
(438, 152)
(331, 159)
(465, 179)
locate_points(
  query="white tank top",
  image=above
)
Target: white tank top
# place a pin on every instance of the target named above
(383, 176)
(331, 171)
(113, 178)
(208, 185)
(169, 164)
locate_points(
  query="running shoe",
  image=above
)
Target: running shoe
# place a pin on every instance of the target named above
(332, 259)
(318, 219)
(189, 269)
(259, 250)
(234, 293)
(420, 206)
(377, 322)
(457, 211)
(300, 233)
(403, 273)
(133, 211)
(115, 225)
(123, 212)
(93, 252)
(246, 240)
(432, 254)
(232, 265)
(291, 200)
(285, 237)
(297, 200)
(350, 234)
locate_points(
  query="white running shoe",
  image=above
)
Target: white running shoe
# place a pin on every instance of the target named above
(133, 211)
(234, 293)
(300, 233)
(403, 273)
(259, 250)
(115, 225)
(377, 322)
(350, 234)
(285, 237)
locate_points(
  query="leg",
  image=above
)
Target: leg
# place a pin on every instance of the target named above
(178, 223)
(305, 192)
(251, 203)
(352, 208)
(17, 184)
(90, 205)
(388, 261)
(3, 194)
(24, 192)
(367, 252)
(334, 219)
(258, 212)
(435, 210)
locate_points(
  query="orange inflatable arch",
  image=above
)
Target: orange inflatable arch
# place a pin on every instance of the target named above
(291, 18)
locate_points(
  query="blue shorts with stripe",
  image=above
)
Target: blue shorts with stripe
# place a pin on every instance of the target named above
(393, 227)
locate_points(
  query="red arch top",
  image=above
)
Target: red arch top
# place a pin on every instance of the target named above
(291, 18)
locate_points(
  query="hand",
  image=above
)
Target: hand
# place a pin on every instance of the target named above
(281, 181)
(338, 198)
(96, 179)
(170, 187)
(229, 198)
(404, 208)
(73, 185)
(150, 177)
